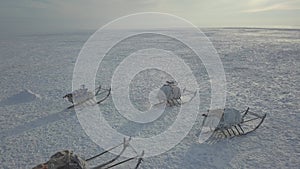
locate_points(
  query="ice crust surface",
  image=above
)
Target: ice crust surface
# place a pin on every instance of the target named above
(262, 68)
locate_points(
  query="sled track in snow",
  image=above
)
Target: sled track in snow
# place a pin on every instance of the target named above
(66, 113)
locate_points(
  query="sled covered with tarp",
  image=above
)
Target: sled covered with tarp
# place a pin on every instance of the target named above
(171, 95)
(224, 123)
(66, 159)
(83, 96)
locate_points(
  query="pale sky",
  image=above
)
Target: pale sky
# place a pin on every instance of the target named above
(68, 15)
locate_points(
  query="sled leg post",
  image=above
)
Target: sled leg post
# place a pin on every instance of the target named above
(246, 112)
(241, 128)
(233, 131)
(214, 134)
(98, 90)
(140, 159)
(228, 132)
(224, 133)
(237, 130)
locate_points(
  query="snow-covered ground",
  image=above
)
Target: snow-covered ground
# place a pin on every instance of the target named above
(262, 68)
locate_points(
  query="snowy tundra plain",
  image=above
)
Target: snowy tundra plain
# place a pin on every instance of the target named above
(262, 68)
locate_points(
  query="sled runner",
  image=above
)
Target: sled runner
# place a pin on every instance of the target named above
(68, 160)
(230, 122)
(84, 97)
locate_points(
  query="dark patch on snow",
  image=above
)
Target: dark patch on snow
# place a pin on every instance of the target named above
(24, 96)
(43, 121)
